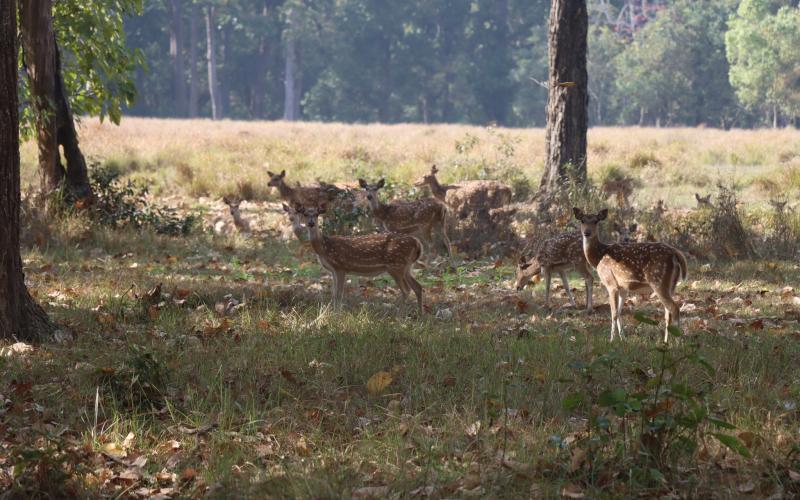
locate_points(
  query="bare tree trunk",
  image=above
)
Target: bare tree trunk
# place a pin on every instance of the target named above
(20, 316)
(193, 76)
(257, 109)
(568, 100)
(222, 76)
(176, 51)
(774, 116)
(211, 59)
(77, 174)
(36, 23)
(291, 82)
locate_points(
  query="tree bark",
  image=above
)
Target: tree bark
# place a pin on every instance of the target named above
(222, 76)
(291, 82)
(568, 100)
(193, 76)
(20, 316)
(211, 59)
(77, 173)
(258, 98)
(36, 26)
(176, 53)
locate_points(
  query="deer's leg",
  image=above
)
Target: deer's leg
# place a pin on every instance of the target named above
(442, 230)
(623, 295)
(589, 280)
(613, 300)
(339, 280)
(564, 280)
(414, 284)
(671, 311)
(546, 272)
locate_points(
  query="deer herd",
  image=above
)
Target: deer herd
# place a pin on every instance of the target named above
(405, 235)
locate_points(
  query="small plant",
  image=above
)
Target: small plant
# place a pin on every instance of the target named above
(653, 423)
(139, 383)
(119, 204)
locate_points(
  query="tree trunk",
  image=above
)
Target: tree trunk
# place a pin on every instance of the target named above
(176, 50)
(36, 26)
(211, 59)
(291, 83)
(258, 98)
(193, 76)
(223, 74)
(77, 174)
(568, 105)
(20, 316)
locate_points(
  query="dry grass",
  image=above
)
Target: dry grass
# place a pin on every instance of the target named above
(202, 158)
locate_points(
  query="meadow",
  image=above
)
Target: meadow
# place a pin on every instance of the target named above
(212, 364)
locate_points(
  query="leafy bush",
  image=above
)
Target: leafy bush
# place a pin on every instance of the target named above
(126, 204)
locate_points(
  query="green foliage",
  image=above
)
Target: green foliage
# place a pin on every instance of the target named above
(127, 204)
(763, 55)
(138, 383)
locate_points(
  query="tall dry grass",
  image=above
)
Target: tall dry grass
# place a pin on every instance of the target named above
(205, 158)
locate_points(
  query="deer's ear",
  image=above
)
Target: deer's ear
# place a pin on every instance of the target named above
(602, 214)
(283, 173)
(381, 183)
(434, 170)
(362, 183)
(285, 207)
(578, 213)
(270, 174)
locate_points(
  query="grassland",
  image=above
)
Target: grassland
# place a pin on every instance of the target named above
(237, 379)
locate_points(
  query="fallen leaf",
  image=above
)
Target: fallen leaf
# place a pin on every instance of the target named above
(572, 491)
(794, 476)
(378, 382)
(114, 450)
(212, 329)
(188, 474)
(747, 487)
(182, 293)
(748, 438)
(128, 442)
(130, 475)
(473, 429)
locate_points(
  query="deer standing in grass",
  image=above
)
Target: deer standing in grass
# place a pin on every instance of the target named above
(558, 254)
(439, 191)
(391, 253)
(637, 267)
(307, 196)
(420, 217)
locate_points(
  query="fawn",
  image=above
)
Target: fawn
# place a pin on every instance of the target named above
(439, 191)
(391, 253)
(625, 234)
(633, 267)
(703, 201)
(233, 205)
(558, 254)
(419, 217)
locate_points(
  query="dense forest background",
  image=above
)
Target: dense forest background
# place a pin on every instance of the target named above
(719, 63)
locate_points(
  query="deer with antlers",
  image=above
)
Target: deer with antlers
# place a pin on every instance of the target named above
(637, 267)
(419, 217)
(391, 253)
(558, 254)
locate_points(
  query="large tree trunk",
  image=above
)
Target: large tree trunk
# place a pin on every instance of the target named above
(176, 50)
(77, 174)
(291, 82)
(36, 23)
(568, 101)
(211, 59)
(194, 19)
(20, 316)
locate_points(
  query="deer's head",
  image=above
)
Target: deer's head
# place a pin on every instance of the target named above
(310, 215)
(428, 179)
(589, 221)
(276, 180)
(527, 268)
(626, 234)
(372, 189)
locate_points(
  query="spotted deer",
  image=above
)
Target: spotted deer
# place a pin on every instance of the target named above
(233, 206)
(703, 201)
(626, 234)
(296, 220)
(307, 196)
(419, 217)
(438, 190)
(621, 189)
(558, 254)
(371, 255)
(638, 267)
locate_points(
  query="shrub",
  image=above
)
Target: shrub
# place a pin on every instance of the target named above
(642, 159)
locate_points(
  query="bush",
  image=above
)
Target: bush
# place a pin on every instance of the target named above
(119, 204)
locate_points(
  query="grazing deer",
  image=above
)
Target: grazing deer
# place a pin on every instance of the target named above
(439, 191)
(633, 267)
(625, 234)
(558, 254)
(307, 196)
(233, 205)
(420, 217)
(703, 201)
(370, 255)
(621, 189)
